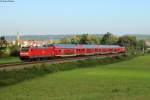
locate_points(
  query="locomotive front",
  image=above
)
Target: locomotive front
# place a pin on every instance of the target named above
(25, 53)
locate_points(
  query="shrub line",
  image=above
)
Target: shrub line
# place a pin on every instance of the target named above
(16, 76)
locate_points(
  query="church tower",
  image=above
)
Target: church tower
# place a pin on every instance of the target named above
(18, 39)
(18, 36)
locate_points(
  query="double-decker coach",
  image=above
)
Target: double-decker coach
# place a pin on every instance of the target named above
(64, 50)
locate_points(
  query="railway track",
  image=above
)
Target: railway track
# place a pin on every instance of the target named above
(15, 65)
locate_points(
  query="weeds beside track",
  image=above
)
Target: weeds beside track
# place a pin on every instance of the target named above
(16, 65)
(9, 75)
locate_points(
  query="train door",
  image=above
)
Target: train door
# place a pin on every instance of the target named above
(57, 52)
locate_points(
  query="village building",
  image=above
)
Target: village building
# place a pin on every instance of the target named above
(22, 42)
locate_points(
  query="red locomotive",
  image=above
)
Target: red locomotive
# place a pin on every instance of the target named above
(64, 50)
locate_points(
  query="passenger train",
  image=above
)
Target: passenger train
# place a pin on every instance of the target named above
(64, 50)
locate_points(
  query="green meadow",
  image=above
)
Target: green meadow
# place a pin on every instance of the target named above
(9, 59)
(126, 80)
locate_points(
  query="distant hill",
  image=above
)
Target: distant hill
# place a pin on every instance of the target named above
(38, 37)
(141, 36)
(42, 37)
(59, 37)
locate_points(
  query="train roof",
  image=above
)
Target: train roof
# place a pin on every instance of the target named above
(77, 46)
(109, 46)
(65, 45)
(84, 46)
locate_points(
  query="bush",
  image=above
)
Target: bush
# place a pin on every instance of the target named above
(4, 53)
(148, 51)
(9, 51)
(14, 50)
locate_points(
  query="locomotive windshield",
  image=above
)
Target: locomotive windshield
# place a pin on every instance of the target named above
(25, 49)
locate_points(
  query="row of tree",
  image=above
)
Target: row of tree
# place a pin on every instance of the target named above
(81, 39)
(130, 42)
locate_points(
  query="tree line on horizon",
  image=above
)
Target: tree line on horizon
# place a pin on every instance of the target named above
(131, 43)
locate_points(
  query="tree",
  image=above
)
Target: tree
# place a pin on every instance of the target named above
(3, 42)
(89, 39)
(141, 45)
(82, 39)
(109, 39)
(14, 50)
(75, 39)
(79, 39)
(128, 41)
(85, 39)
(66, 41)
(96, 40)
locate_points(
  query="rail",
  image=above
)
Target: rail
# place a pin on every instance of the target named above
(15, 64)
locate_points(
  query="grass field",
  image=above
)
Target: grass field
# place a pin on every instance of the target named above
(9, 59)
(128, 80)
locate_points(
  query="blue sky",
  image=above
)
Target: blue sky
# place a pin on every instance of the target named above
(75, 16)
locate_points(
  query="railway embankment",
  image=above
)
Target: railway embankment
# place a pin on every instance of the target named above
(15, 76)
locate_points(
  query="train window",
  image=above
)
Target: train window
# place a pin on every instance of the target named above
(49, 45)
(25, 49)
(45, 46)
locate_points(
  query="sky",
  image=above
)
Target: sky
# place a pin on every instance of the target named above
(29, 17)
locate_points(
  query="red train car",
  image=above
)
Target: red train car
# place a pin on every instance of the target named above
(31, 53)
(63, 50)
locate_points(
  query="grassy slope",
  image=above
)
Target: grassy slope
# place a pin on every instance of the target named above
(9, 59)
(128, 80)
